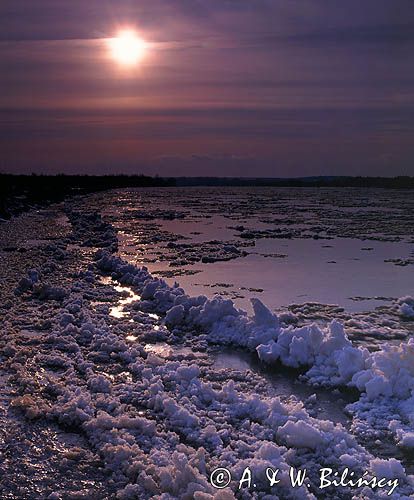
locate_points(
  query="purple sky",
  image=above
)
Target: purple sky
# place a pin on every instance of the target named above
(227, 87)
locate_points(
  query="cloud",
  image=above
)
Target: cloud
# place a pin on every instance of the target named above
(302, 83)
(310, 21)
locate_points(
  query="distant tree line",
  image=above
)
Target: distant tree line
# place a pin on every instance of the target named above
(402, 182)
(20, 192)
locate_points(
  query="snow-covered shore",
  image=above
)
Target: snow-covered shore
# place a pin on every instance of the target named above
(148, 426)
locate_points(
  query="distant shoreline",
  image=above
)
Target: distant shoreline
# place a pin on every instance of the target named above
(19, 193)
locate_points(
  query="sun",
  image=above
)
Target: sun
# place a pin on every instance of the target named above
(127, 48)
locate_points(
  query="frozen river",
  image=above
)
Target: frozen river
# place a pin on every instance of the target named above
(286, 344)
(352, 248)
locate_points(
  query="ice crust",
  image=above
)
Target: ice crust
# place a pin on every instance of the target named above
(327, 355)
(406, 307)
(164, 428)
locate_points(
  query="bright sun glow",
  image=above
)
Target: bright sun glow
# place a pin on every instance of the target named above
(127, 48)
